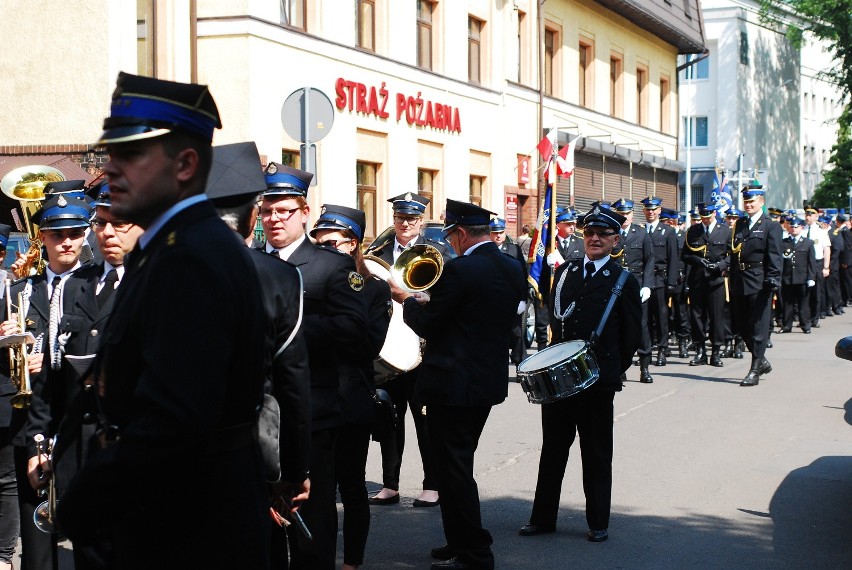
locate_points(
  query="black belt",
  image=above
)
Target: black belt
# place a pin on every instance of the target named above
(744, 266)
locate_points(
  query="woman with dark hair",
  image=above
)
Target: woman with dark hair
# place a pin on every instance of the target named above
(342, 228)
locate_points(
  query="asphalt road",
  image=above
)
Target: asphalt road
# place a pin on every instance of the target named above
(707, 474)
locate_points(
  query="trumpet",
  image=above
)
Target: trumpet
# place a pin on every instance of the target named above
(19, 371)
(44, 515)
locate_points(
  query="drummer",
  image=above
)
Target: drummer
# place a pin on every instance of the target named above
(581, 292)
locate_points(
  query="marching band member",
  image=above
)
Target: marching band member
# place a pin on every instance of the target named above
(756, 267)
(581, 290)
(335, 313)
(180, 372)
(234, 184)
(666, 262)
(408, 210)
(342, 228)
(466, 327)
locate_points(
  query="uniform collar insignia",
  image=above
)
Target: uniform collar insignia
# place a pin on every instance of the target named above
(575, 268)
(606, 272)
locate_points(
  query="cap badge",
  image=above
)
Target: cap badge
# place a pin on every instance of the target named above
(62, 202)
(322, 210)
(408, 197)
(271, 169)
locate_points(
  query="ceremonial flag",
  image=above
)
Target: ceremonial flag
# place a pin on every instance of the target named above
(542, 244)
(721, 195)
(565, 159)
(545, 145)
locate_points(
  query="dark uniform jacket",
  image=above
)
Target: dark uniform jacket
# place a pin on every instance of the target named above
(799, 261)
(623, 331)
(635, 252)
(466, 326)
(666, 259)
(335, 317)
(756, 260)
(838, 247)
(514, 250)
(180, 373)
(700, 249)
(290, 381)
(846, 258)
(575, 249)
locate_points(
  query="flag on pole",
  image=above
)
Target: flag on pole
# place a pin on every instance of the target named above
(545, 145)
(565, 159)
(542, 243)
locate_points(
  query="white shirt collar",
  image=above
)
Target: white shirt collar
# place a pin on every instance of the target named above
(119, 270)
(397, 245)
(161, 220)
(598, 262)
(469, 250)
(286, 251)
(50, 275)
(753, 219)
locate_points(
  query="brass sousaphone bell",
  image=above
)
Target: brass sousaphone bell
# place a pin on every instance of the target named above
(416, 269)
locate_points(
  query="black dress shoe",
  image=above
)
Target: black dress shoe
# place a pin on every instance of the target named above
(661, 358)
(699, 359)
(839, 311)
(768, 344)
(452, 564)
(751, 379)
(597, 535)
(386, 501)
(763, 367)
(443, 552)
(532, 530)
(815, 324)
(419, 503)
(716, 361)
(806, 331)
(784, 331)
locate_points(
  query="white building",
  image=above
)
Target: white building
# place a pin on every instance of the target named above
(439, 97)
(757, 108)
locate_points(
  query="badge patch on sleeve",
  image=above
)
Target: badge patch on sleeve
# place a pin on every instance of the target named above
(356, 281)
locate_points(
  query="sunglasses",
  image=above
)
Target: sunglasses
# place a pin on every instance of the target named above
(600, 232)
(333, 242)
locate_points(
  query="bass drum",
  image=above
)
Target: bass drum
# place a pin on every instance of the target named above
(401, 351)
(558, 371)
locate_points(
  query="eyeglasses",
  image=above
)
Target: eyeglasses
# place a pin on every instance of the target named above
(120, 226)
(283, 213)
(600, 232)
(334, 242)
(400, 220)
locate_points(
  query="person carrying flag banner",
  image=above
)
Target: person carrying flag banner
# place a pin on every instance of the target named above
(540, 273)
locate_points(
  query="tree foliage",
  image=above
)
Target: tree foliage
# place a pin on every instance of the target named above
(831, 22)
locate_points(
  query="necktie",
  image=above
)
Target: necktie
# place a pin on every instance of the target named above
(274, 253)
(649, 228)
(108, 289)
(53, 324)
(707, 231)
(624, 233)
(590, 270)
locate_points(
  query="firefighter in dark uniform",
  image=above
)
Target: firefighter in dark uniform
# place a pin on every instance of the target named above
(705, 252)
(335, 313)
(679, 311)
(182, 362)
(842, 221)
(756, 267)
(666, 261)
(408, 210)
(635, 252)
(833, 305)
(799, 275)
(517, 346)
(777, 215)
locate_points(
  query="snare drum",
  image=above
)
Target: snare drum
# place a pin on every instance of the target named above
(558, 371)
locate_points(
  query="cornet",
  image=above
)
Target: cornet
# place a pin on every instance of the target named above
(44, 515)
(19, 371)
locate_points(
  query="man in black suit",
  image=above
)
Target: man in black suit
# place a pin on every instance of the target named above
(705, 252)
(842, 221)
(635, 252)
(799, 274)
(408, 211)
(581, 291)
(235, 181)
(833, 305)
(517, 342)
(466, 325)
(183, 360)
(335, 313)
(666, 259)
(62, 224)
(756, 267)
(679, 312)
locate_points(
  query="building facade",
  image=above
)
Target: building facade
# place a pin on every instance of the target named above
(757, 108)
(437, 97)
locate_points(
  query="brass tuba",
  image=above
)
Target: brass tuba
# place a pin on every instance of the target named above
(26, 185)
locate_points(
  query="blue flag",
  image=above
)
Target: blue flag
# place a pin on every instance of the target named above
(542, 244)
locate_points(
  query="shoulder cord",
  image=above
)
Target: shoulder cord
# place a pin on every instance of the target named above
(616, 292)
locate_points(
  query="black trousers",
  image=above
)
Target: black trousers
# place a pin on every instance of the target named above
(9, 516)
(320, 510)
(590, 414)
(38, 549)
(752, 315)
(707, 305)
(832, 286)
(679, 321)
(846, 284)
(658, 317)
(454, 432)
(816, 295)
(401, 391)
(517, 342)
(542, 322)
(645, 345)
(350, 464)
(796, 297)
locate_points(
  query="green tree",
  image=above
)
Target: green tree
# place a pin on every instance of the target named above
(831, 22)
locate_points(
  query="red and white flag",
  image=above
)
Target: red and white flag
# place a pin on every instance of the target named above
(565, 159)
(545, 145)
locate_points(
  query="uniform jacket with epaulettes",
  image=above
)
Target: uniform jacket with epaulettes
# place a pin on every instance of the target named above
(756, 255)
(714, 248)
(666, 256)
(635, 252)
(800, 265)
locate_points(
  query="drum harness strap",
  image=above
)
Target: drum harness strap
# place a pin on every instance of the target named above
(563, 315)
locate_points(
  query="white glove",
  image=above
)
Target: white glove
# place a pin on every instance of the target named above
(422, 297)
(811, 282)
(554, 258)
(522, 306)
(644, 294)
